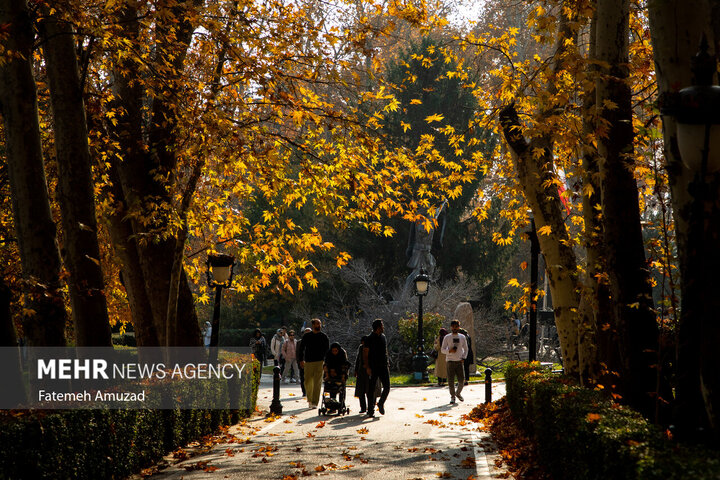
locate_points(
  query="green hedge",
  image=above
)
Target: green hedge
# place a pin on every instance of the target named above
(107, 444)
(581, 434)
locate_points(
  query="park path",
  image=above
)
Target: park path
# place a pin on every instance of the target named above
(421, 436)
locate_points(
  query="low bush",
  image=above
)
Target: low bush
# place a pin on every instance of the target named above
(103, 443)
(581, 433)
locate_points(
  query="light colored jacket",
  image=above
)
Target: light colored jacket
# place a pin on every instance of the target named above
(276, 345)
(289, 348)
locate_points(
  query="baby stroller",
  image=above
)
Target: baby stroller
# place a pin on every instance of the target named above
(333, 400)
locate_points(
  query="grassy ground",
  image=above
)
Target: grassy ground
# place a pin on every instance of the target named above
(398, 379)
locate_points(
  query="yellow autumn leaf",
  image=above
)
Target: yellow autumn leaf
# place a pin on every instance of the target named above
(545, 230)
(438, 117)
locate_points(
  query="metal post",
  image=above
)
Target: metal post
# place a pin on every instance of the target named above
(420, 360)
(532, 313)
(276, 406)
(488, 385)
(215, 326)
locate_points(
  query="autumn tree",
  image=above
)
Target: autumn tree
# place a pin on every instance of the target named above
(75, 193)
(44, 312)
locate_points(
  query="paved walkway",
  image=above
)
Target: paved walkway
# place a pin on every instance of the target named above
(421, 436)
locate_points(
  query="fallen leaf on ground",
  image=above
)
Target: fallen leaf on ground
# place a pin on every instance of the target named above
(196, 466)
(363, 430)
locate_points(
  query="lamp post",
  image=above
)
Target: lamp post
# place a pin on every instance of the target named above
(420, 360)
(219, 275)
(695, 111)
(532, 310)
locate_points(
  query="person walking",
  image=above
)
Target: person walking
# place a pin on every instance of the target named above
(455, 347)
(276, 346)
(362, 381)
(259, 346)
(207, 334)
(440, 361)
(311, 354)
(289, 351)
(375, 357)
(470, 356)
(300, 368)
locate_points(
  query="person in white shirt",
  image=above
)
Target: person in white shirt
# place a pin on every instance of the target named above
(455, 348)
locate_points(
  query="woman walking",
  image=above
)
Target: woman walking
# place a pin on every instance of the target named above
(258, 346)
(362, 381)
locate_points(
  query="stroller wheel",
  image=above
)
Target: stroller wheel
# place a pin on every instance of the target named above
(321, 411)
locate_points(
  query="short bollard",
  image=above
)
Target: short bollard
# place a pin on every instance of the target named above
(488, 385)
(276, 406)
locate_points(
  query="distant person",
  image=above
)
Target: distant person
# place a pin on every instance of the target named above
(259, 346)
(440, 361)
(302, 370)
(470, 356)
(289, 353)
(362, 380)
(207, 334)
(311, 354)
(276, 346)
(455, 347)
(375, 358)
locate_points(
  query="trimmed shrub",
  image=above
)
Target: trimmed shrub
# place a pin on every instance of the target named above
(101, 443)
(582, 434)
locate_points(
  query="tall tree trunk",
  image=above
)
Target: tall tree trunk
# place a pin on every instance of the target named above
(144, 177)
(635, 328)
(75, 186)
(34, 224)
(535, 175)
(14, 387)
(544, 200)
(594, 296)
(676, 29)
(148, 257)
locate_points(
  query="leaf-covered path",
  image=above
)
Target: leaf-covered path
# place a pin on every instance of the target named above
(420, 436)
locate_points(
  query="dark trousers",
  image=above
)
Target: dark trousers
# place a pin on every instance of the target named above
(383, 374)
(302, 380)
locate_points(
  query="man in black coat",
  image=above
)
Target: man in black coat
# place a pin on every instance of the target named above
(375, 358)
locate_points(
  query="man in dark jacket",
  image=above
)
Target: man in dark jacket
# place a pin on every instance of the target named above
(311, 353)
(375, 357)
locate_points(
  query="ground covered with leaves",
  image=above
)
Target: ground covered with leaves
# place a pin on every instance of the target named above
(518, 452)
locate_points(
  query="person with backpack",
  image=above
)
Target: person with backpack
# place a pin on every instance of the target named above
(276, 346)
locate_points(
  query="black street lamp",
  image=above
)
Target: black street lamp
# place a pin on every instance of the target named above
(219, 275)
(532, 309)
(421, 360)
